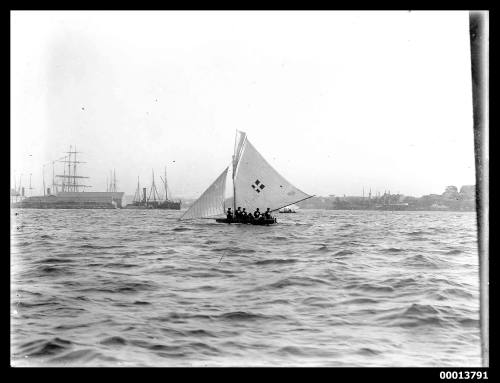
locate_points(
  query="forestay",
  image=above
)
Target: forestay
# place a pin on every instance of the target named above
(258, 185)
(211, 202)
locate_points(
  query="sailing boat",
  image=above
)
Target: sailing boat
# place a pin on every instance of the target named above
(255, 185)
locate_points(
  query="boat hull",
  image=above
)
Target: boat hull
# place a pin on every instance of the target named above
(254, 222)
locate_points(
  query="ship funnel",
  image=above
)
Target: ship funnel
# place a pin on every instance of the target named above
(48, 191)
(22, 192)
(144, 194)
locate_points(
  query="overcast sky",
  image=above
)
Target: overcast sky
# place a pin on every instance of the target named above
(335, 101)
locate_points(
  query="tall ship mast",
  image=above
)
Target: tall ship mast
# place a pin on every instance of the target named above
(69, 191)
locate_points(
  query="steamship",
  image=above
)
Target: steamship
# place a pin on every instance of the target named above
(153, 200)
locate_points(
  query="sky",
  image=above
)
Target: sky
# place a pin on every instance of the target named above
(337, 102)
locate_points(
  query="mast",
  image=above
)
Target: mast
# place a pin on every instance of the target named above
(74, 170)
(166, 192)
(43, 178)
(69, 169)
(69, 181)
(53, 179)
(234, 168)
(153, 190)
(137, 196)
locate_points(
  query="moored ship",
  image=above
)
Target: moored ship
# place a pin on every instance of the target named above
(153, 200)
(69, 192)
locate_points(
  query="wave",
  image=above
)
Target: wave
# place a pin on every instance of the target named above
(42, 347)
(421, 260)
(343, 252)
(295, 281)
(371, 287)
(55, 260)
(416, 315)
(400, 282)
(368, 351)
(360, 301)
(181, 229)
(275, 261)
(114, 341)
(458, 292)
(394, 250)
(247, 316)
(81, 356)
(454, 252)
(291, 350)
(199, 332)
(54, 271)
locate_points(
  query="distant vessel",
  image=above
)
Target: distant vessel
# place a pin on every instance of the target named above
(71, 194)
(153, 200)
(255, 185)
(289, 209)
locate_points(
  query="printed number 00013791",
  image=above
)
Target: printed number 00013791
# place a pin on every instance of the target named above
(463, 375)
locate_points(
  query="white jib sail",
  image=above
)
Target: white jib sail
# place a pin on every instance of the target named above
(211, 202)
(258, 185)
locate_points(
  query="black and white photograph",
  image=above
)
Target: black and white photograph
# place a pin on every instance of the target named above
(249, 189)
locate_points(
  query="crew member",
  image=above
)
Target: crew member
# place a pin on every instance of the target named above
(237, 213)
(267, 214)
(256, 213)
(229, 214)
(250, 217)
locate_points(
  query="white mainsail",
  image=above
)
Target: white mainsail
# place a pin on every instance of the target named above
(211, 202)
(258, 185)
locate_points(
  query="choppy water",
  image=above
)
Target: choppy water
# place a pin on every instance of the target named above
(322, 288)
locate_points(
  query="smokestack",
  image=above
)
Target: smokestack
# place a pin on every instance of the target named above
(22, 192)
(48, 191)
(144, 194)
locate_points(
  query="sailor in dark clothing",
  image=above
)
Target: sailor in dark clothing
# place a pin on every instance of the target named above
(256, 213)
(237, 214)
(229, 214)
(250, 217)
(244, 215)
(267, 214)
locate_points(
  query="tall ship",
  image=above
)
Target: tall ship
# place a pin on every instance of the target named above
(68, 192)
(153, 200)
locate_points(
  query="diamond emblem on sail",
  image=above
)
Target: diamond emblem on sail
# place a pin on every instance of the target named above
(256, 186)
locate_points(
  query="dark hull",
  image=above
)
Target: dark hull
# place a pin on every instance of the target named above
(254, 222)
(168, 205)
